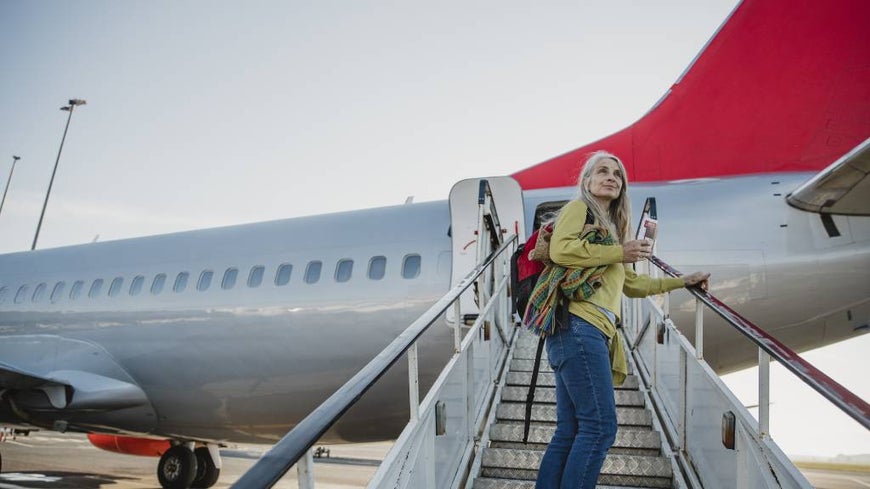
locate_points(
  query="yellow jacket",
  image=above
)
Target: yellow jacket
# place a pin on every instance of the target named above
(568, 250)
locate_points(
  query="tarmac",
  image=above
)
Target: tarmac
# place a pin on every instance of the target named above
(67, 461)
(54, 460)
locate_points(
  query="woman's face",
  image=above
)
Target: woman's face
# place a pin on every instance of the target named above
(605, 183)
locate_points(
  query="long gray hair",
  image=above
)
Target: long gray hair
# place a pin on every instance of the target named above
(617, 217)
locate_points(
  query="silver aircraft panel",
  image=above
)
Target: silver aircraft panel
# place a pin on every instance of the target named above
(245, 364)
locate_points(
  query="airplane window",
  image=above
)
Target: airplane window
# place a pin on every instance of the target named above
(76, 290)
(180, 282)
(204, 280)
(312, 272)
(229, 280)
(21, 294)
(95, 288)
(283, 275)
(115, 287)
(377, 267)
(136, 285)
(411, 266)
(38, 293)
(255, 278)
(57, 291)
(157, 284)
(343, 270)
(3, 292)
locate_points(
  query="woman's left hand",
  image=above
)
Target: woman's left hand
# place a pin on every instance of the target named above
(697, 278)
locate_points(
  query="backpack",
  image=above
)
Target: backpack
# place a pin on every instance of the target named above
(524, 273)
(524, 276)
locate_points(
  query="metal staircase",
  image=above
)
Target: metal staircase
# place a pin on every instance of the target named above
(635, 460)
(679, 426)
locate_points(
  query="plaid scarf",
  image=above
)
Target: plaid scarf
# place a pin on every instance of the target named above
(577, 284)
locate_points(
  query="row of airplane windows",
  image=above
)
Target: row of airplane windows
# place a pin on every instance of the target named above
(377, 267)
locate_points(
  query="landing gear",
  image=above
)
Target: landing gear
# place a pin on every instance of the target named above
(207, 472)
(181, 468)
(177, 468)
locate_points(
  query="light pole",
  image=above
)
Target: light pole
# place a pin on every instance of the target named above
(14, 160)
(72, 105)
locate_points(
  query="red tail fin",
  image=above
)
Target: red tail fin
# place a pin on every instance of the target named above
(783, 86)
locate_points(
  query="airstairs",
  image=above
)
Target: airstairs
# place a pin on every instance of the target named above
(635, 460)
(679, 425)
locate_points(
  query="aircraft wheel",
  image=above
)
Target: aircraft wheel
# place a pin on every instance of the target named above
(177, 468)
(206, 473)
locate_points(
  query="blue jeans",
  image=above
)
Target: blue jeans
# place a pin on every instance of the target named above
(585, 408)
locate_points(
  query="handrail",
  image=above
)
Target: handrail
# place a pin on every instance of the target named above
(278, 460)
(484, 194)
(841, 397)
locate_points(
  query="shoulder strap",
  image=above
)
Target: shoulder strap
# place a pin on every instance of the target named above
(590, 217)
(530, 397)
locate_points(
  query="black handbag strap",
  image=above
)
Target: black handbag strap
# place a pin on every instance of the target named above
(530, 397)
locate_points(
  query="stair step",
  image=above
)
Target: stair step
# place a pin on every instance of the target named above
(629, 470)
(548, 395)
(528, 352)
(625, 416)
(541, 434)
(519, 364)
(548, 379)
(487, 483)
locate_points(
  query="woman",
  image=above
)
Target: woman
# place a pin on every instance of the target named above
(581, 353)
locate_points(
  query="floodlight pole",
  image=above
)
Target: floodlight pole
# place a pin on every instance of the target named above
(72, 105)
(14, 160)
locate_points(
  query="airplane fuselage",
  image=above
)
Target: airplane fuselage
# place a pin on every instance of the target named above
(246, 357)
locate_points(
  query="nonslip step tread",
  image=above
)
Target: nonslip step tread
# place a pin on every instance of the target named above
(548, 379)
(620, 469)
(541, 434)
(547, 395)
(625, 416)
(489, 483)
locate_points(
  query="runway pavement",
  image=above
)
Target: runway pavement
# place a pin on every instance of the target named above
(53, 460)
(67, 461)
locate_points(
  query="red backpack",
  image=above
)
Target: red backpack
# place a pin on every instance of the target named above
(525, 272)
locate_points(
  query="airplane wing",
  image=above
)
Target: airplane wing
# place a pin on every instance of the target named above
(841, 188)
(74, 389)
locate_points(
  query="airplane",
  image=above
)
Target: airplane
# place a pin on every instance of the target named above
(757, 157)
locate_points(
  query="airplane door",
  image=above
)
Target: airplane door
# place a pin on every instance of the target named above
(507, 199)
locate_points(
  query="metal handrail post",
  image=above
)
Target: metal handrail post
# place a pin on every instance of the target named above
(763, 393)
(699, 329)
(413, 382)
(305, 471)
(457, 328)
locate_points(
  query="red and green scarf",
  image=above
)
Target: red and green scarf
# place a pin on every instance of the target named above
(557, 281)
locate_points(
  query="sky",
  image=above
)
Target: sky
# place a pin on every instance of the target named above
(211, 113)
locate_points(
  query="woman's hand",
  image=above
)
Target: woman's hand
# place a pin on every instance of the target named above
(636, 250)
(697, 278)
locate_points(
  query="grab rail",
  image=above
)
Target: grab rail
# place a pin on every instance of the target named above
(294, 445)
(841, 397)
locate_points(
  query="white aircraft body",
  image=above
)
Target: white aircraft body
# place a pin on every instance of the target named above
(234, 334)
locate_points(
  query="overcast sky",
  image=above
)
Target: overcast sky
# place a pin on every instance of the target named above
(208, 113)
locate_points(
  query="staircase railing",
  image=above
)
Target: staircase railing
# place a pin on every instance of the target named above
(473, 367)
(715, 438)
(769, 347)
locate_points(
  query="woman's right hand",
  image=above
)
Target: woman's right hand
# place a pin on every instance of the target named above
(636, 250)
